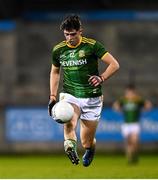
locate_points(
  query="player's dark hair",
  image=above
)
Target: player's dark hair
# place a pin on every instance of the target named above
(131, 86)
(71, 22)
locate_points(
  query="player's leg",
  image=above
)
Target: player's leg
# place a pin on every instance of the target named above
(70, 143)
(125, 129)
(133, 142)
(128, 148)
(91, 110)
(87, 135)
(132, 147)
(134, 139)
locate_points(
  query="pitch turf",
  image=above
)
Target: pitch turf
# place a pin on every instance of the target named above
(59, 166)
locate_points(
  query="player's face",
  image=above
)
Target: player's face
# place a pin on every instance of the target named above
(72, 37)
(129, 93)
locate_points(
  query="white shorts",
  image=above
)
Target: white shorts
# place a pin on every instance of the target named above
(129, 128)
(90, 107)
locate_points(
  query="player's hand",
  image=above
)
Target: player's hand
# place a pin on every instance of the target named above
(50, 106)
(95, 80)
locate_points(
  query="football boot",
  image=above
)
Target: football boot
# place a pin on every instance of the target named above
(88, 156)
(70, 150)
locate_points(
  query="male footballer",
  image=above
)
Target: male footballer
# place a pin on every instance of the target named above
(78, 56)
(131, 104)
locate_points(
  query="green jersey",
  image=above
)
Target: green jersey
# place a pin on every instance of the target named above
(131, 108)
(78, 64)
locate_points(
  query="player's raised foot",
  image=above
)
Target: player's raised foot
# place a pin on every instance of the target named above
(72, 154)
(70, 150)
(88, 156)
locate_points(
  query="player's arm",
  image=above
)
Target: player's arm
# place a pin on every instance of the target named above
(54, 83)
(147, 105)
(113, 66)
(116, 106)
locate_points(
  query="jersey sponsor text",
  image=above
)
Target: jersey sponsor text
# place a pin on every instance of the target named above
(73, 63)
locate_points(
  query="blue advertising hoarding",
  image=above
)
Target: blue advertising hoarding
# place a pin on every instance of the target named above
(31, 124)
(34, 124)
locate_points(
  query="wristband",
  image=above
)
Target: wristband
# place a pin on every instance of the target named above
(52, 95)
(102, 78)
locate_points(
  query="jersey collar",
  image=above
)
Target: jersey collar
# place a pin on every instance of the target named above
(76, 45)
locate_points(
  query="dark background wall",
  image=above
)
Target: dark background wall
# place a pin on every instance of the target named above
(15, 8)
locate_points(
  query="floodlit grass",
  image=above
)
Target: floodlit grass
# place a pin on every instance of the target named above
(59, 166)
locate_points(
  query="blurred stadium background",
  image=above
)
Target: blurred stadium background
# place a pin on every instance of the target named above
(28, 31)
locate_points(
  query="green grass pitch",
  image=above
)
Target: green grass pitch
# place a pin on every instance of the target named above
(59, 166)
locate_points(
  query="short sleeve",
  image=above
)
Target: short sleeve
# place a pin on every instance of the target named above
(99, 49)
(121, 101)
(141, 102)
(55, 58)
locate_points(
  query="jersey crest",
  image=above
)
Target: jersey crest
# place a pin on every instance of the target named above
(81, 53)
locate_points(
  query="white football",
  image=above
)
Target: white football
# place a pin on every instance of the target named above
(62, 112)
